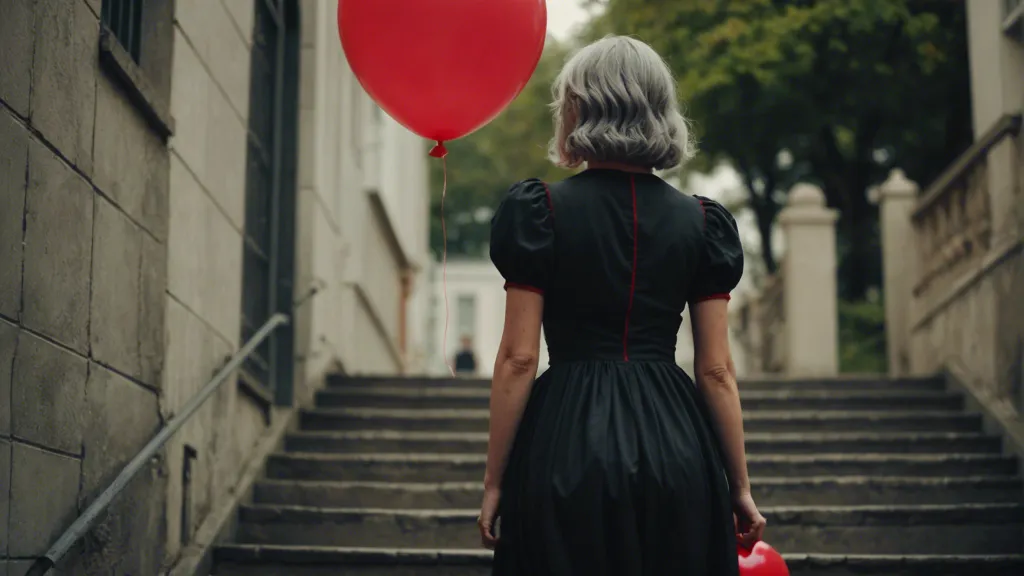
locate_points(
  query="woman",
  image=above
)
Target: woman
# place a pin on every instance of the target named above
(613, 463)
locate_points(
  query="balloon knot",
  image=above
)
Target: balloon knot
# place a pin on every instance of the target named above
(439, 151)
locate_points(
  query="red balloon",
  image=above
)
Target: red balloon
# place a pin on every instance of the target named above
(761, 560)
(443, 68)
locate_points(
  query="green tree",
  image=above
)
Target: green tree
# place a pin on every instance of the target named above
(484, 164)
(831, 91)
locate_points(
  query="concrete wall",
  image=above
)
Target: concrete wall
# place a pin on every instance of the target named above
(83, 260)
(121, 262)
(210, 103)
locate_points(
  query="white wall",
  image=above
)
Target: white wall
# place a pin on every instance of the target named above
(362, 214)
(479, 279)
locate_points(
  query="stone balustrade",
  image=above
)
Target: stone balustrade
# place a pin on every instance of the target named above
(792, 327)
(954, 271)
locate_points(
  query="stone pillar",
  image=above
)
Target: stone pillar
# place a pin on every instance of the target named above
(809, 288)
(897, 197)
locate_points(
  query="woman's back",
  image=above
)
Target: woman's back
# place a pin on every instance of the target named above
(626, 252)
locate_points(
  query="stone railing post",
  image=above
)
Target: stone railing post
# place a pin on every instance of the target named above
(897, 198)
(809, 291)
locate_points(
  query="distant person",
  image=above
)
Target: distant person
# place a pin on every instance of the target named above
(615, 462)
(465, 359)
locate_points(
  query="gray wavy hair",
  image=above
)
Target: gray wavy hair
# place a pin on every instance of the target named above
(615, 101)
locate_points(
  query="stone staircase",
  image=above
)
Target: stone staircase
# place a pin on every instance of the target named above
(856, 476)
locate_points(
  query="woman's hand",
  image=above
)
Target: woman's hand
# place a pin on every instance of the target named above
(489, 517)
(749, 522)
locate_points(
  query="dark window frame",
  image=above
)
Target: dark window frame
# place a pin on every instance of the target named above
(1013, 19)
(123, 18)
(136, 49)
(268, 247)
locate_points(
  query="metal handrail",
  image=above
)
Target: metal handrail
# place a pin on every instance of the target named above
(84, 523)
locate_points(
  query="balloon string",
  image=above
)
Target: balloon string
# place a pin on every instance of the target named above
(444, 266)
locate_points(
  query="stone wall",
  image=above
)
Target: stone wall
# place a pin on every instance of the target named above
(981, 330)
(210, 103)
(83, 254)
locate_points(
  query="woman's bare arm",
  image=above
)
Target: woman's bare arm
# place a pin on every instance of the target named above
(514, 371)
(716, 379)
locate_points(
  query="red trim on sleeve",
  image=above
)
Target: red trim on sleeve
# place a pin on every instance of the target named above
(632, 272)
(721, 296)
(551, 203)
(704, 212)
(526, 287)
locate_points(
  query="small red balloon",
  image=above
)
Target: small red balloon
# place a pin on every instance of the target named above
(443, 68)
(761, 560)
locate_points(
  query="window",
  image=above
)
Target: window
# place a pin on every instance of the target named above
(124, 19)
(1013, 18)
(136, 48)
(268, 248)
(466, 310)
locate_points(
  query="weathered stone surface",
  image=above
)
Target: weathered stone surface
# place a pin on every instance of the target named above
(189, 91)
(194, 352)
(13, 170)
(64, 77)
(227, 146)
(117, 246)
(8, 347)
(95, 6)
(211, 285)
(127, 296)
(44, 498)
(129, 537)
(152, 309)
(121, 417)
(16, 31)
(48, 392)
(224, 52)
(130, 160)
(242, 13)
(5, 493)
(58, 241)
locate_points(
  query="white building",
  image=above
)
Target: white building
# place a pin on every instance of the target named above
(476, 308)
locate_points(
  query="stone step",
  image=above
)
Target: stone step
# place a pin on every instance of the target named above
(846, 382)
(473, 420)
(377, 441)
(469, 467)
(960, 529)
(343, 381)
(822, 491)
(465, 397)
(252, 560)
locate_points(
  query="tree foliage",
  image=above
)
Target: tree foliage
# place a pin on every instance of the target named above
(484, 164)
(832, 91)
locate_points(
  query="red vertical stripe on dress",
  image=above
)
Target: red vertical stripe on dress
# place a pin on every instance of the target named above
(632, 274)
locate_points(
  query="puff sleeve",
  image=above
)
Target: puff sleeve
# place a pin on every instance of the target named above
(721, 264)
(522, 236)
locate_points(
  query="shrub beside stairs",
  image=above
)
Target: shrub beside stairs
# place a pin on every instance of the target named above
(855, 476)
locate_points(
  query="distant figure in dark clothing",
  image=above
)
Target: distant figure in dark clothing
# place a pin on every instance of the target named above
(465, 359)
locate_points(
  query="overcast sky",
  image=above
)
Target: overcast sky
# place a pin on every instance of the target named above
(563, 16)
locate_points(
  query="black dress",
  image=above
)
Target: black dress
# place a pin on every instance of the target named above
(615, 469)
